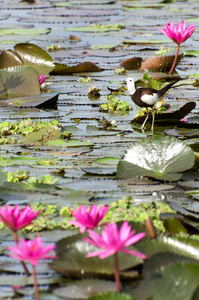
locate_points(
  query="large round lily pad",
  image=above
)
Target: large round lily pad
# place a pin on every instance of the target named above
(162, 157)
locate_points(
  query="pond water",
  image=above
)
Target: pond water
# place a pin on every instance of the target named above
(47, 23)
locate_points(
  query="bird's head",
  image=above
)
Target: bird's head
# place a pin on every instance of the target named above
(130, 85)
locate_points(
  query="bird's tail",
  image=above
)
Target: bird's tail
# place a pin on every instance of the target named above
(166, 88)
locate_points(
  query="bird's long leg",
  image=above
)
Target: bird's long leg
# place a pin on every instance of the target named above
(153, 120)
(145, 120)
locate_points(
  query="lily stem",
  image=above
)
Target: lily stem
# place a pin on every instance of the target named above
(35, 283)
(22, 262)
(117, 277)
(175, 60)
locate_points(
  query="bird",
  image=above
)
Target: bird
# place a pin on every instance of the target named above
(146, 97)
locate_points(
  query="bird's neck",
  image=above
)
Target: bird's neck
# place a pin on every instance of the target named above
(131, 89)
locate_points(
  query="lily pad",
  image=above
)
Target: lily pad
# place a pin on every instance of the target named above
(73, 264)
(169, 118)
(18, 81)
(132, 63)
(176, 281)
(109, 160)
(44, 100)
(112, 296)
(161, 157)
(27, 54)
(159, 63)
(87, 66)
(84, 288)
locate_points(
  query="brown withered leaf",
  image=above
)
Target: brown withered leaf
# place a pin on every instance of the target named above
(159, 63)
(86, 66)
(74, 38)
(133, 63)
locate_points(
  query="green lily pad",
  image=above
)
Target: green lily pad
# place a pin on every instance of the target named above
(35, 57)
(22, 31)
(161, 157)
(84, 288)
(87, 66)
(42, 136)
(169, 118)
(73, 264)
(96, 28)
(175, 281)
(44, 100)
(181, 246)
(109, 160)
(30, 55)
(18, 81)
(112, 296)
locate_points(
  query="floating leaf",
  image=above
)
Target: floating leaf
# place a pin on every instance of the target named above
(169, 118)
(3, 178)
(181, 246)
(161, 157)
(96, 28)
(30, 187)
(159, 63)
(18, 81)
(100, 171)
(175, 281)
(35, 57)
(84, 288)
(42, 136)
(22, 31)
(112, 296)
(155, 263)
(44, 100)
(30, 55)
(87, 66)
(109, 160)
(176, 207)
(79, 196)
(132, 63)
(73, 263)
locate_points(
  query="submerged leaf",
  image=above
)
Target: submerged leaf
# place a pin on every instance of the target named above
(162, 157)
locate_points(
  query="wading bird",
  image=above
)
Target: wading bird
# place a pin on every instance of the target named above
(146, 97)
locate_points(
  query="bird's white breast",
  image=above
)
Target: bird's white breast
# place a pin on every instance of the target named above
(150, 99)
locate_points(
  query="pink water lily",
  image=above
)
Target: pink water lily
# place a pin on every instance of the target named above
(88, 218)
(15, 219)
(177, 34)
(42, 78)
(31, 250)
(113, 240)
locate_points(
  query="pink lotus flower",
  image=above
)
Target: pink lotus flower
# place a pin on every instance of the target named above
(113, 241)
(88, 219)
(42, 78)
(31, 250)
(15, 218)
(179, 33)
